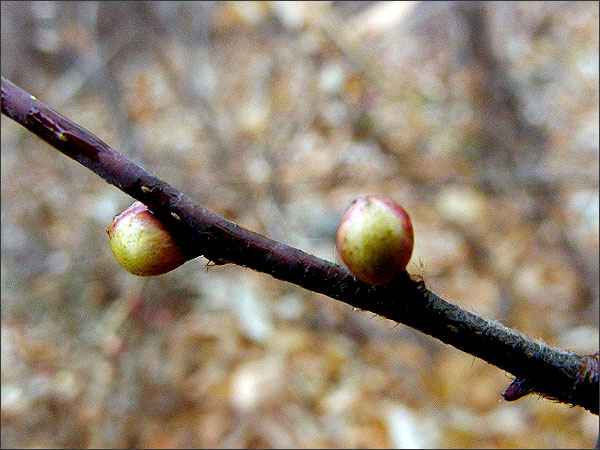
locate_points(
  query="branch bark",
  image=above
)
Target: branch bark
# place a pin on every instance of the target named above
(551, 372)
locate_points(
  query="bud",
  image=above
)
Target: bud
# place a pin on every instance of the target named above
(375, 239)
(142, 244)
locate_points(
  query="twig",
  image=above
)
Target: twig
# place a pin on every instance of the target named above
(551, 372)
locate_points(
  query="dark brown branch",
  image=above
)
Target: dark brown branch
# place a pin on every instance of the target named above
(551, 372)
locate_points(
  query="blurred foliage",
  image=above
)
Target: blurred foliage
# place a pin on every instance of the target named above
(481, 119)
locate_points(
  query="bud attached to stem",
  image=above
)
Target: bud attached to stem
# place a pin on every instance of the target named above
(375, 239)
(142, 244)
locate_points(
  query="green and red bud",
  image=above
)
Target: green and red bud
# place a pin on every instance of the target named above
(375, 239)
(142, 244)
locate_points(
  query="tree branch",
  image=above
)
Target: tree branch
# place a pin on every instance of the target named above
(554, 373)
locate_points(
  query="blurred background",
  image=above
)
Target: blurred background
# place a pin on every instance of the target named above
(481, 119)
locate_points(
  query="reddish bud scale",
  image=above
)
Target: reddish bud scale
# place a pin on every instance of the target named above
(375, 239)
(142, 244)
